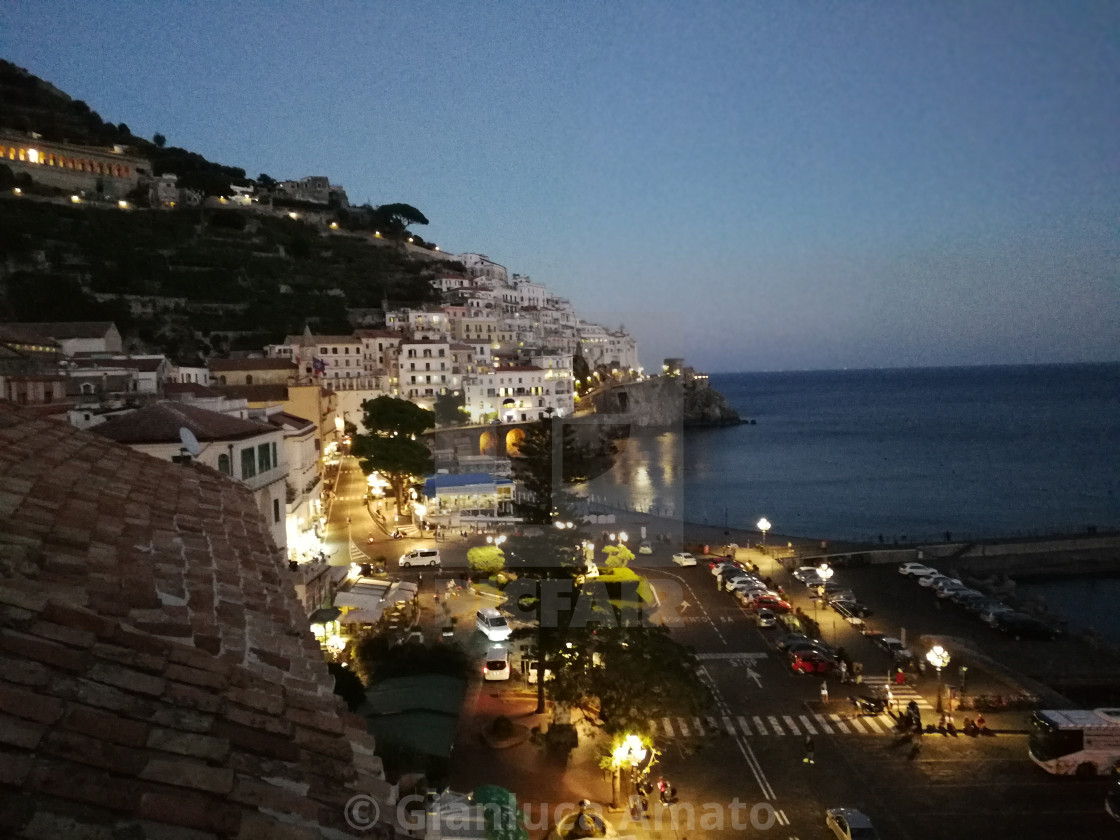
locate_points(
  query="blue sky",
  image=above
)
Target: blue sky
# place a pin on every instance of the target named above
(756, 186)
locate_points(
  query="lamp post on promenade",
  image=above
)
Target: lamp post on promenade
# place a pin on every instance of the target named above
(824, 572)
(938, 657)
(764, 526)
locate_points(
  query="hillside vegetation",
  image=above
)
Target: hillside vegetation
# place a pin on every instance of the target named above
(211, 280)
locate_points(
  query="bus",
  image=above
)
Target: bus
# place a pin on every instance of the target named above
(1076, 742)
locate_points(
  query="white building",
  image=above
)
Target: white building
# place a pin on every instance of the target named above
(516, 394)
(425, 370)
(485, 270)
(246, 450)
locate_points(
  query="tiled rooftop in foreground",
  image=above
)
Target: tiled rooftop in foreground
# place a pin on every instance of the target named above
(157, 679)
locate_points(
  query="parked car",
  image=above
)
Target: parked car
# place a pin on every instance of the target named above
(1022, 626)
(646, 547)
(772, 601)
(990, 614)
(932, 580)
(959, 596)
(811, 662)
(916, 569)
(946, 583)
(850, 824)
(952, 589)
(783, 642)
(496, 666)
(723, 563)
(807, 571)
(683, 558)
(894, 647)
(975, 604)
(811, 644)
(766, 618)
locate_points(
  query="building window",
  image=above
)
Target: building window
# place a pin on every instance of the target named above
(223, 464)
(275, 510)
(248, 379)
(248, 462)
(264, 457)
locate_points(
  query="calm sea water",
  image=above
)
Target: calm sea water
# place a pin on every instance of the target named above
(914, 453)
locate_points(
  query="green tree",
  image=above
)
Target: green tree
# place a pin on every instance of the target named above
(617, 555)
(449, 408)
(400, 216)
(159, 140)
(390, 445)
(538, 472)
(486, 559)
(635, 674)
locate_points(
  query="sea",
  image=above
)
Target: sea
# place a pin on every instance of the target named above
(891, 456)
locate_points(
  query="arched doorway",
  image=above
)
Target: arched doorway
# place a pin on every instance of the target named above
(514, 439)
(488, 443)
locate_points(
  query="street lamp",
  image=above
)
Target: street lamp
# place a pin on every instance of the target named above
(629, 751)
(938, 657)
(824, 572)
(764, 526)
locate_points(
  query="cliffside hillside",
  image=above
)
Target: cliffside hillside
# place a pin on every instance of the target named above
(194, 282)
(189, 282)
(667, 401)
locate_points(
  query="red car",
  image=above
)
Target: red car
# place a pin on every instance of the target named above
(810, 662)
(772, 602)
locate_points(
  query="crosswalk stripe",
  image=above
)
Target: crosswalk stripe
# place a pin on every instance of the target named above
(861, 726)
(668, 727)
(744, 725)
(713, 725)
(729, 725)
(873, 724)
(683, 727)
(793, 730)
(699, 727)
(777, 727)
(758, 724)
(839, 724)
(808, 726)
(823, 724)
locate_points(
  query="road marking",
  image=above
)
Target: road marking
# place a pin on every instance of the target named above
(743, 655)
(753, 674)
(790, 725)
(668, 727)
(777, 727)
(781, 817)
(684, 727)
(808, 726)
(823, 724)
(839, 724)
(744, 725)
(699, 726)
(759, 725)
(729, 725)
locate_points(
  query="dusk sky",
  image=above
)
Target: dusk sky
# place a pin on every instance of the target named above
(756, 186)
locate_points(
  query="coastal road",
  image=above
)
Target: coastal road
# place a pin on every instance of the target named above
(751, 748)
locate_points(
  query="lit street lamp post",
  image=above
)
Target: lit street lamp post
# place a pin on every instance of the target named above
(938, 657)
(764, 526)
(824, 572)
(629, 752)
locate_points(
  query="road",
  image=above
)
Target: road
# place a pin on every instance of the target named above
(750, 750)
(753, 747)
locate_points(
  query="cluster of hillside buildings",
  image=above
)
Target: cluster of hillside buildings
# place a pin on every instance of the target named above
(501, 347)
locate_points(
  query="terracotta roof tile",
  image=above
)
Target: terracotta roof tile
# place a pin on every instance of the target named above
(154, 662)
(263, 363)
(161, 422)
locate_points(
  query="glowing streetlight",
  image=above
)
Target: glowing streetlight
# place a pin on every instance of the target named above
(824, 572)
(764, 526)
(938, 657)
(629, 750)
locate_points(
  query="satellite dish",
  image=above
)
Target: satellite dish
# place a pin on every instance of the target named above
(190, 442)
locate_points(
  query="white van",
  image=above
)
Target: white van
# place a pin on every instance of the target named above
(421, 557)
(492, 624)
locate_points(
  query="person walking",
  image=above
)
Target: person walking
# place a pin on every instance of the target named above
(810, 751)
